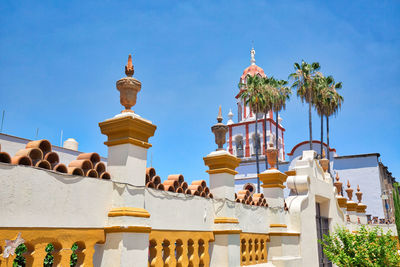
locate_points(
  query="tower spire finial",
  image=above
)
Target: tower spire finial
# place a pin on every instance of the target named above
(253, 53)
(129, 70)
(219, 118)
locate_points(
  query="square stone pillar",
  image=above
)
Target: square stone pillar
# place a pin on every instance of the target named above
(128, 226)
(273, 180)
(128, 136)
(226, 247)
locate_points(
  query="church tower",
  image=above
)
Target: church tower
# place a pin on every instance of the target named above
(241, 135)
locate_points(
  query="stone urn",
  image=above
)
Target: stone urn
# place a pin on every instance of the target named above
(128, 87)
(220, 131)
(324, 162)
(272, 154)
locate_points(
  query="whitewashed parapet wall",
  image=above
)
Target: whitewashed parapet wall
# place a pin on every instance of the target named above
(32, 197)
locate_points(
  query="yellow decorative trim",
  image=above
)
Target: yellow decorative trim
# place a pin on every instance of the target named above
(283, 234)
(342, 201)
(127, 130)
(225, 220)
(128, 140)
(227, 232)
(273, 186)
(128, 211)
(225, 163)
(351, 206)
(222, 170)
(253, 248)
(273, 179)
(39, 237)
(273, 225)
(290, 173)
(127, 229)
(361, 208)
(179, 248)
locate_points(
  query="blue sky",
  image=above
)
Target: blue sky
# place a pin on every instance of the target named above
(59, 63)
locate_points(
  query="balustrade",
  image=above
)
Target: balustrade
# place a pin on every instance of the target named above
(253, 248)
(179, 248)
(36, 240)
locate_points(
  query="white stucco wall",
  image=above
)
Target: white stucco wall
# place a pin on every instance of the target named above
(363, 171)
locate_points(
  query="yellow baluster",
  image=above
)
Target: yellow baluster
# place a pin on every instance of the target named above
(65, 253)
(88, 252)
(38, 254)
(206, 255)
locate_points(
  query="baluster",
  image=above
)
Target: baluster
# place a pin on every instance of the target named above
(170, 261)
(184, 262)
(250, 249)
(206, 255)
(38, 254)
(257, 256)
(65, 253)
(265, 249)
(195, 256)
(243, 250)
(158, 260)
(88, 252)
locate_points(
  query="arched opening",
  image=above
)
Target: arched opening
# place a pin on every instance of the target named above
(239, 146)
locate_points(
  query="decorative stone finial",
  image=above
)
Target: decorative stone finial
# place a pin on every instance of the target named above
(272, 154)
(220, 131)
(253, 59)
(349, 191)
(129, 70)
(359, 194)
(338, 185)
(219, 118)
(230, 116)
(324, 162)
(128, 87)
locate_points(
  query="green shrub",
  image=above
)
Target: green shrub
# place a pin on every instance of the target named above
(49, 258)
(367, 247)
(19, 260)
(74, 256)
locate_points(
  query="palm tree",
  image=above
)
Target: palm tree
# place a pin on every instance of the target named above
(268, 96)
(333, 103)
(252, 96)
(282, 93)
(320, 102)
(304, 81)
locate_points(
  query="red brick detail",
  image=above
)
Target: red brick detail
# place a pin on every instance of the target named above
(247, 141)
(230, 140)
(263, 148)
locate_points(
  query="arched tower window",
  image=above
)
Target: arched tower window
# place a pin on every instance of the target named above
(256, 143)
(239, 146)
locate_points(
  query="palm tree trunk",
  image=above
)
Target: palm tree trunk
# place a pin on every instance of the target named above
(322, 133)
(265, 140)
(310, 124)
(327, 143)
(277, 138)
(257, 163)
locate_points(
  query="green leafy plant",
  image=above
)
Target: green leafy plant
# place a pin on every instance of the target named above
(49, 258)
(19, 260)
(74, 256)
(367, 247)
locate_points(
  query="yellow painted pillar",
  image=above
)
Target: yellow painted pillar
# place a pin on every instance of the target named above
(128, 224)
(226, 247)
